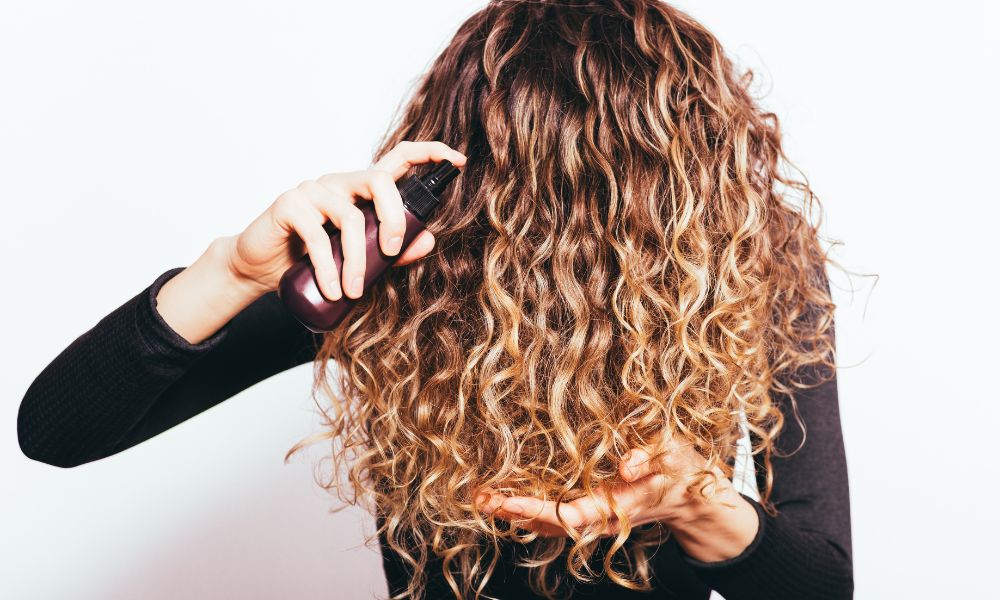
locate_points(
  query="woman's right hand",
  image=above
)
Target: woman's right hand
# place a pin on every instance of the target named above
(272, 243)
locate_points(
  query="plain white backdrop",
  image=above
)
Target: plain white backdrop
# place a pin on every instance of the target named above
(133, 133)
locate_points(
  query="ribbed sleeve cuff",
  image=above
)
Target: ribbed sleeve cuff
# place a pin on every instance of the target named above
(161, 339)
(781, 562)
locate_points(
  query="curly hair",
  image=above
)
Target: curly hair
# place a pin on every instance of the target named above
(624, 258)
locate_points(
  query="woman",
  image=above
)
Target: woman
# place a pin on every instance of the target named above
(618, 301)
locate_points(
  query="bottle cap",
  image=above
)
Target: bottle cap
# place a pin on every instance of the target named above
(440, 177)
(420, 194)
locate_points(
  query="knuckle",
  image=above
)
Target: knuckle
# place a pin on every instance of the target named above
(318, 241)
(392, 155)
(329, 179)
(354, 217)
(380, 177)
(286, 200)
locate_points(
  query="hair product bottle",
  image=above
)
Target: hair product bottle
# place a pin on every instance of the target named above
(298, 288)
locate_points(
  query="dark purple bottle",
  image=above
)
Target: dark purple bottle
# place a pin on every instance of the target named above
(298, 288)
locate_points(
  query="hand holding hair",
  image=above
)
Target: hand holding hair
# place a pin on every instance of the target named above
(654, 488)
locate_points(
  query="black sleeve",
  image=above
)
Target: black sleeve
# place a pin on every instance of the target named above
(131, 376)
(804, 551)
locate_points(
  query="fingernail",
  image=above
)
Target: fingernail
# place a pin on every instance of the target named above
(357, 284)
(335, 286)
(394, 244)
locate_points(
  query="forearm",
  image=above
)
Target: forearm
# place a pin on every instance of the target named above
(105, 382)
(203, 297)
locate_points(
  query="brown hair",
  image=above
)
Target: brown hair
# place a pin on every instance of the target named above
(622, 258)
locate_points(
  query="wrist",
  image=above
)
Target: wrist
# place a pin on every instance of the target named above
(220, 254)
(202, 298)
(717, 529)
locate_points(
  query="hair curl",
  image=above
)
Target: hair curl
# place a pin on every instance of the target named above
(621, 259)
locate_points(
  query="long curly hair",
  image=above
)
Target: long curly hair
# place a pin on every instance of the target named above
(625, 257)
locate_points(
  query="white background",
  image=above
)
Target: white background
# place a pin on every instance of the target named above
(133, 133)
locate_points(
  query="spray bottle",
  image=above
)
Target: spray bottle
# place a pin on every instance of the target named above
(298, 288)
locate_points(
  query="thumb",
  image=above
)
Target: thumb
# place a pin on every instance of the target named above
(636, 465)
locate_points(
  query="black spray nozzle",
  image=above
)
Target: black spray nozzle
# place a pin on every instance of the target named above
(420, 194)
(440, 177)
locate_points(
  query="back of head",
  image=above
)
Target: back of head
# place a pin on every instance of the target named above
(620, 261)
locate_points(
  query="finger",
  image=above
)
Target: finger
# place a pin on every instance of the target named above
(544, 511)
(297, 213)
(488, 500)
(349, 219)
(405, 154)
(630, 501)
(633, 503)
(540, 527)
(538, 515)
(593, 508)
(637, 498)
(418, 248)
(380, 188)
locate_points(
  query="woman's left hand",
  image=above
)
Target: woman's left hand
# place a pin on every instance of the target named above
(708, 530)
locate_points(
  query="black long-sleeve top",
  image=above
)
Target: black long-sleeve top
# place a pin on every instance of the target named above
(131, 376)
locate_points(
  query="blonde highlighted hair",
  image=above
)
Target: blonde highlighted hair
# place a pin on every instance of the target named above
(623, 258)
